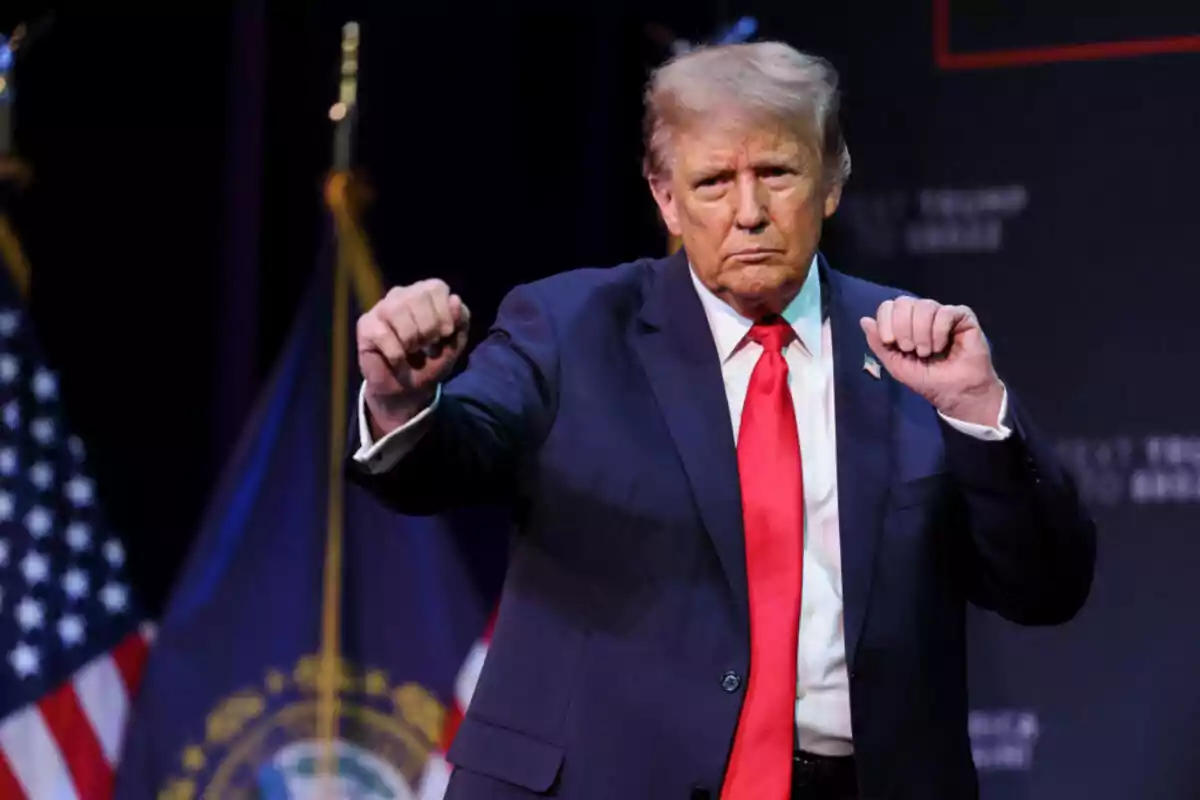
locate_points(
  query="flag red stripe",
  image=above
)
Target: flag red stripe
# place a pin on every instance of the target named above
(491, 625)
(77, 741)
(454, 718)
(9, 785)
(130, 656)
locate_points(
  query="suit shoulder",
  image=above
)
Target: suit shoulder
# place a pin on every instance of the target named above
(584, 280)
(861, 296)
(616, 287)
(870, 290)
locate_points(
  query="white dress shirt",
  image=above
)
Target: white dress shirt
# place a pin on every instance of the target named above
(822, 684)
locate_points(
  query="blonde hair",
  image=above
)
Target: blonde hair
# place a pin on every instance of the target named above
(768, 81)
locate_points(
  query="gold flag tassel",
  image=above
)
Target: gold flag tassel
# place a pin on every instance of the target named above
(14, 173)
(346, 196)
(14, 256)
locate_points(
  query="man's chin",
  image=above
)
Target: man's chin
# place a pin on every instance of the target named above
(762, 280)
(756, 299)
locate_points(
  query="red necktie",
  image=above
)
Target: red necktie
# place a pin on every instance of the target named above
(768, 447)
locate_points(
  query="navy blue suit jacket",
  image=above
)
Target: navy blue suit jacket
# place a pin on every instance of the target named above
(596, 410)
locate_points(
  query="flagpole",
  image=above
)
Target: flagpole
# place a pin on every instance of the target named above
(329, 701)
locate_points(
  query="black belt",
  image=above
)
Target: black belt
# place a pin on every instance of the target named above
(816, 777)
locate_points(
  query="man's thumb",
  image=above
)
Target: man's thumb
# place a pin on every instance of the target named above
(871, 329)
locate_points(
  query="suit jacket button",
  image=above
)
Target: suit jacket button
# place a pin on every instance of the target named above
(731, 681)
(700, 793)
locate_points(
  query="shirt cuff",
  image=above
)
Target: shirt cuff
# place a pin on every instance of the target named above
(997, 433)
(382, 455)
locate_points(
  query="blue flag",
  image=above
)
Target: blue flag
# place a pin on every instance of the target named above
(269, 671)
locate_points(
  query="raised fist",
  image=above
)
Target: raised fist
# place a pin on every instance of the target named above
(407, 343)
(939, 352)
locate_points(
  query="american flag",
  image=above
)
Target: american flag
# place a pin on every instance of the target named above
(436, 778)
(72, 642)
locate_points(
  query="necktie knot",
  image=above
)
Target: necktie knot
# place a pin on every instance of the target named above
(772, 333)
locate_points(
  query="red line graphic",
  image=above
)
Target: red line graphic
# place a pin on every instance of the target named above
(948, 60)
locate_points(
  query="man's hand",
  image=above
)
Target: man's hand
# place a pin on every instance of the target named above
(940, 353)
(407, 344)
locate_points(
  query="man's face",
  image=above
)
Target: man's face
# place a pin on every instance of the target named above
(748, 202)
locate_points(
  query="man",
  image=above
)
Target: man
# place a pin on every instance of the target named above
(754, 495)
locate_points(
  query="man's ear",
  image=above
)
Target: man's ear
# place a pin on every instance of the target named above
(833, 199)
(664, 196)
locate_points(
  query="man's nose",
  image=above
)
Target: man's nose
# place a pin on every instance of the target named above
(751, 203)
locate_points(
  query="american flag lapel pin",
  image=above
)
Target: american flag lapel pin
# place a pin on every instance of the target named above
(871, 367)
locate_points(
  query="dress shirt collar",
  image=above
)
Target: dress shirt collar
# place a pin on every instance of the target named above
(729, 328)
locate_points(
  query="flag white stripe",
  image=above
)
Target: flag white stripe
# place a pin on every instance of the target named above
(34, 756)
(101, 693)
(468, 674)
(435, 778)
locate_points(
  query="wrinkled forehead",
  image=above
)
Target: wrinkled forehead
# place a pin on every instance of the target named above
(732, 139)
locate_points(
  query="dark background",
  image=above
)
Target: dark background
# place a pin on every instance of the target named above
(175, 218)
(175, 215)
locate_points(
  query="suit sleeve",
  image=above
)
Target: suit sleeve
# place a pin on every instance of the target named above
(1033, 544)
(488, 422)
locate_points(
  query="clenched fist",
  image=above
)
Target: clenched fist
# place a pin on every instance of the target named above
(940, 353)
(407, 344)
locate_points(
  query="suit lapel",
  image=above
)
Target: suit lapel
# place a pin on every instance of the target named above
(863, 447)
(676, 349)
(677, 352)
